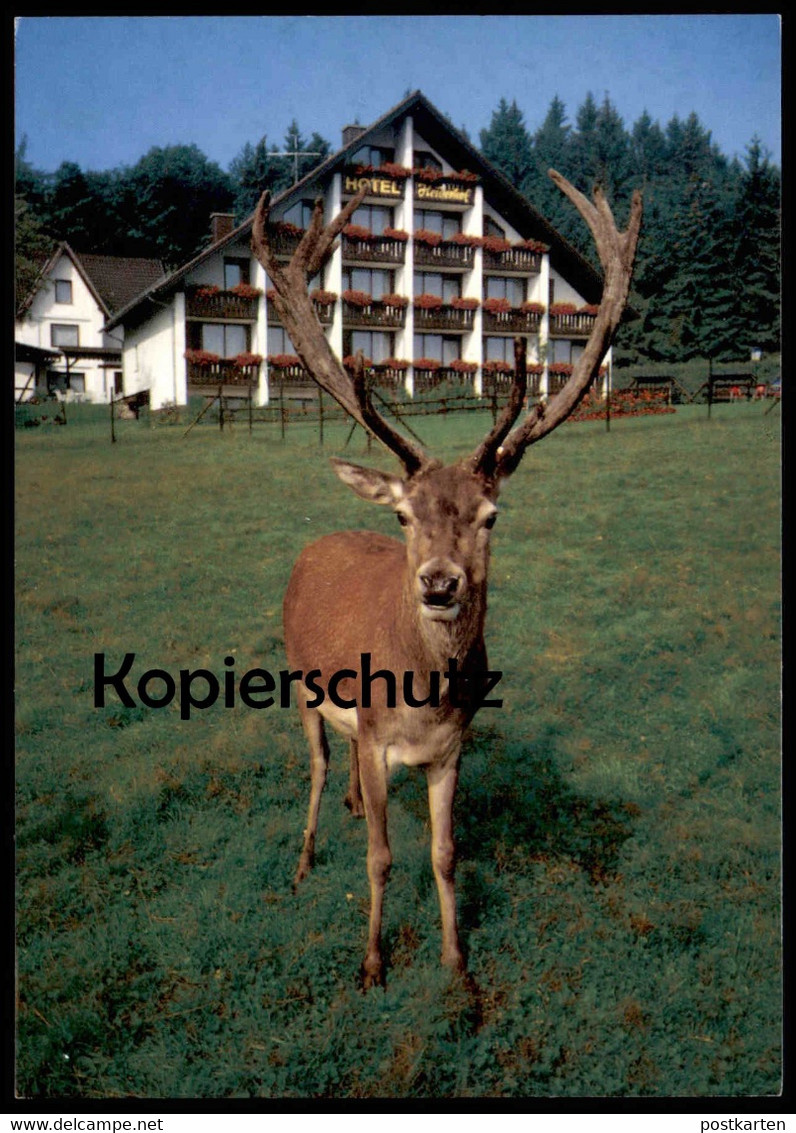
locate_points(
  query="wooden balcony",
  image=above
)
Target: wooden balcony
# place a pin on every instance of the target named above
(324, 311)
(202, 303)
(516, 261)
(375, 314)
(446, 254)
(377, 250)
(443, 318)
(576, 325)
(225, 372)
(511, 322)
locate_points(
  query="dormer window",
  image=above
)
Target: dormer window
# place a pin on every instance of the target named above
(372, 155)
(235, 272)
(423, 159)
(63, 290)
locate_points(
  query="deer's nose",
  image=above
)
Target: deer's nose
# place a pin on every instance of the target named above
(441, 587)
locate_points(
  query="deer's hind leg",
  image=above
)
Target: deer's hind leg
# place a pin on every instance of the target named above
(315, 732)
(353, 799)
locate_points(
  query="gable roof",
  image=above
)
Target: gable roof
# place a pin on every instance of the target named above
(440, 133)
(112, 280)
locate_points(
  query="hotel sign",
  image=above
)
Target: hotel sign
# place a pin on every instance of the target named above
(450, 192)
(447, 191)
(377, 186)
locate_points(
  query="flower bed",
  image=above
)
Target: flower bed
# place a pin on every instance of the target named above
(624, 403)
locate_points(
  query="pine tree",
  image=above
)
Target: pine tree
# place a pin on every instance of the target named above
(507, 143)
(757, 251)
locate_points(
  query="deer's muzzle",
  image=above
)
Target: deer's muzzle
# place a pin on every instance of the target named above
(441, 586)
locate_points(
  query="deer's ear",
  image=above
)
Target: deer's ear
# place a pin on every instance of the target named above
(370, 484)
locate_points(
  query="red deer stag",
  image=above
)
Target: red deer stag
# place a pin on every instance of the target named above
(358, 600)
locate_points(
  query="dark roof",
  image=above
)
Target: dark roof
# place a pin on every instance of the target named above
(439, 132)
(118, 279)
(112, 280)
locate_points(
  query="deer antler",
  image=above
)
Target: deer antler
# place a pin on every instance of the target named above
(298, 316)
(502, 450)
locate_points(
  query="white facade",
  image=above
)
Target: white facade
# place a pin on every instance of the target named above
(65, 311)
(395, 158)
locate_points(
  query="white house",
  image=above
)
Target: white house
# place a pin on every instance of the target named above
(62, 346)
(441, 266)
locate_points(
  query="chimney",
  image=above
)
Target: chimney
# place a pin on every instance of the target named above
(351, 133)
(221, 224)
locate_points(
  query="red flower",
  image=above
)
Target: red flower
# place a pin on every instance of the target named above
(427, 364)
(462, 367)
(497, 306)
(426, 236)
(357, 232)
(463, 303)
(392, 364)
(283, 361)
(428, 302)
(350, 362)
(357, 298)
(495, 244)
(206, 292)
(532, 245)
(563, 309)
(323, 298)
(497, 367)
(393, 300)
(532, 308)
(245, 291)
(247, 359)
(589, 309)
(396, 234)
(201, 357)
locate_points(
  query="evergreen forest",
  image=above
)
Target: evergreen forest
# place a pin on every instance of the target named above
(707, 278)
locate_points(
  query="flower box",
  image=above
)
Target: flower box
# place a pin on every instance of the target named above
(464, 303)
(357, 298)
(202, 358)
(426, 302)
(431, 364)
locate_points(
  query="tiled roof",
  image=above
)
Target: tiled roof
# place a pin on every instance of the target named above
(118, 279)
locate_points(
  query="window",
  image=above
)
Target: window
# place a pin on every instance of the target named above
(63, 290)
(492, 228)
(64, 334)
(445, 348)
(374, 344)
(279, 341)
(504, 287)
(226, 340)
(372, 155)
(499, 349)
(563, 350)
(435, 283)
(300, 214)
(373, 281)
(424, 159)
(373, 217)
(60, 381)
(448, 224)
(235, 272)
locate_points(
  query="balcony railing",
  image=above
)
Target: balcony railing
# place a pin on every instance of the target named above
(577, 324)
(522, 260)
(443, 318)
(225, 372)
(324, 311)
(374, 314)
(378, 249)
(208, 304)
(446, 254)
(511, 322)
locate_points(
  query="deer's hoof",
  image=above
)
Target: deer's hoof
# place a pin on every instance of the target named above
(372, 974)
(355, 805)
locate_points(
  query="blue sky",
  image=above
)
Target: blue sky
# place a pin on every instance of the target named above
(125, 84)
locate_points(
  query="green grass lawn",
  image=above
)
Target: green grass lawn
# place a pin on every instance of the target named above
(618, 820)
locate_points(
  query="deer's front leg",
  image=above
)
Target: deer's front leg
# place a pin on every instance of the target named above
(373, 781)
(441, 789)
